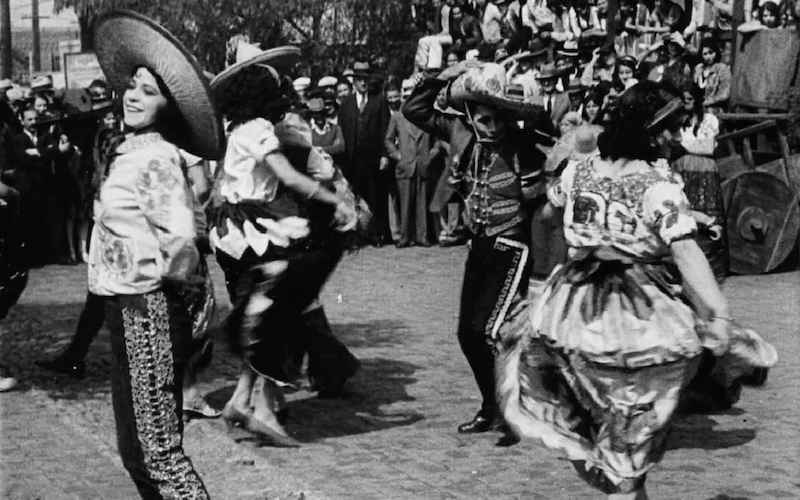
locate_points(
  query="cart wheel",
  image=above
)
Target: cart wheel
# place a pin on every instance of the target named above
(763, 222)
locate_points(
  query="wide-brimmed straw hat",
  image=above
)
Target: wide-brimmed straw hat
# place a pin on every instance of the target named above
(486, 83)
(125, 41)
(247, 54)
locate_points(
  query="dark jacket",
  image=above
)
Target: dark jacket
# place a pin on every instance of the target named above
(363, 135)
(410, 147)
(419, 110)
(466, 33)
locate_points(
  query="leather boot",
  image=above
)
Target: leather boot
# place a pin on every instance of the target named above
(484, 421)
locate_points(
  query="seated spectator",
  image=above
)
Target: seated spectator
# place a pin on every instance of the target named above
(713, 76)
(591, 108)
(452, 58)
(570, 121)
(429, 47)
(523, 68)
(575, 90)
(465, 28)
(677, 71)
(601, 66)
(624, 70)
(769, 14)
(491, 22)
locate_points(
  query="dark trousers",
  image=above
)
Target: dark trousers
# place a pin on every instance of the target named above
(413, 198)
(150, 342)
(497, 270)
(89, 324)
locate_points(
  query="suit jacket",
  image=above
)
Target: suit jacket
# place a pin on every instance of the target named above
(410, 147)
(363, 133)
(560, 107)
(419, 110)
(29, 168)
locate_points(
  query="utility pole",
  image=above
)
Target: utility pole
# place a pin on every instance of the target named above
(6, 58)
(36, 50)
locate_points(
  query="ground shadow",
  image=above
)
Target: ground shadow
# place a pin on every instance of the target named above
(697, 432)
(379, 333)
(728, 497)
(380, 382)
(27, 338)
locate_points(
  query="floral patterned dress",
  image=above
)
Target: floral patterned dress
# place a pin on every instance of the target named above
(596, 365)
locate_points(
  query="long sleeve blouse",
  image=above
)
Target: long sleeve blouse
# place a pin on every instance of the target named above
(144, 233)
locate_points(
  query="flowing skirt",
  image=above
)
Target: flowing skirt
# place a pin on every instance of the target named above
(597, 365)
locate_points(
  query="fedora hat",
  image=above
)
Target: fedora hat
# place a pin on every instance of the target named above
(362, 69)
(486, 83)
(247, 54)
(548, 71)
(569, 49)
(126, 40)
(42, 83)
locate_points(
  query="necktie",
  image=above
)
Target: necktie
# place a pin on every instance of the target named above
(548, 104)
(362, 103)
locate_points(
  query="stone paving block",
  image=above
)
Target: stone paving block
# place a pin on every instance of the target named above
(394, 437)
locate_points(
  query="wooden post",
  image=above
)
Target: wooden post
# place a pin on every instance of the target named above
(36, 50)
(6, 55)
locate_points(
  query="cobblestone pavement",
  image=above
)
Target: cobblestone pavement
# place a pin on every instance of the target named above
(394, 436)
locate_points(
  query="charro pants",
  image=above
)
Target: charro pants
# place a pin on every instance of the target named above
(150, 344)
(497, 270)
(89, 324)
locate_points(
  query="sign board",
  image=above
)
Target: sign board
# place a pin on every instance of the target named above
(81, 69)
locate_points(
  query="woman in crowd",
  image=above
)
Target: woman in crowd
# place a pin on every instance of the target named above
(624, 70)
(275, 236)
(769, 13)
(713, 77)
(591, 109)
(143, 251)
(595, 367)
(698, 169)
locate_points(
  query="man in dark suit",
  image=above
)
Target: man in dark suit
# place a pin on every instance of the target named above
(364, 119)
(412, 151)
(33, 153)
(555, 103)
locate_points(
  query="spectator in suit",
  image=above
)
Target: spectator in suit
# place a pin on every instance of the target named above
(555, 103)
(412, 151)
(325, 133)
(393, 99)
(343, 90)
(364, 118)
(33, 152)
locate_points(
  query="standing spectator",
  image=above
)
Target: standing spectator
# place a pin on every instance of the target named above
(702, 183)
(343, 90)
(412, 151)
(324, 133)
(364, 118)
(32, 154)
(713, 76)
(301, 86)
(13, 272)
(393, 99)
(556, 104)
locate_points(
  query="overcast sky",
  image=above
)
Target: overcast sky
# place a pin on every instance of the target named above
(21, 12)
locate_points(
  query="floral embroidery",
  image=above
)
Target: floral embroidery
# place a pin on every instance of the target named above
(150, 362)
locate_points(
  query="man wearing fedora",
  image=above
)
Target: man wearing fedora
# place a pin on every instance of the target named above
(364, 119)
(497, 169)
(555, 103)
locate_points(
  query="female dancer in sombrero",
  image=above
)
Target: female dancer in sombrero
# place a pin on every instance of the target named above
(275, 236)
(597, 368)
(143, 250)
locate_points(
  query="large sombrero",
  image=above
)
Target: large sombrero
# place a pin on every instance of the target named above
(247, 54)
(126, 40)
(486, 83)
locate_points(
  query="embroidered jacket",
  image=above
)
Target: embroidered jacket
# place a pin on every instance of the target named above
(144, 231)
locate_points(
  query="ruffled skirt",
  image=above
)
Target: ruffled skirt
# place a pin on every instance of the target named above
(597, 365)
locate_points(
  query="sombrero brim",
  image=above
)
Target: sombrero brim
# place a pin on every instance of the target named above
(279, 58)
(125, 41)
(519, 107)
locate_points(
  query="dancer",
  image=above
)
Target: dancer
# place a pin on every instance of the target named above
(13, 271)
(596, 366)
(275, 239)
(143, 251)
(488, 152)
